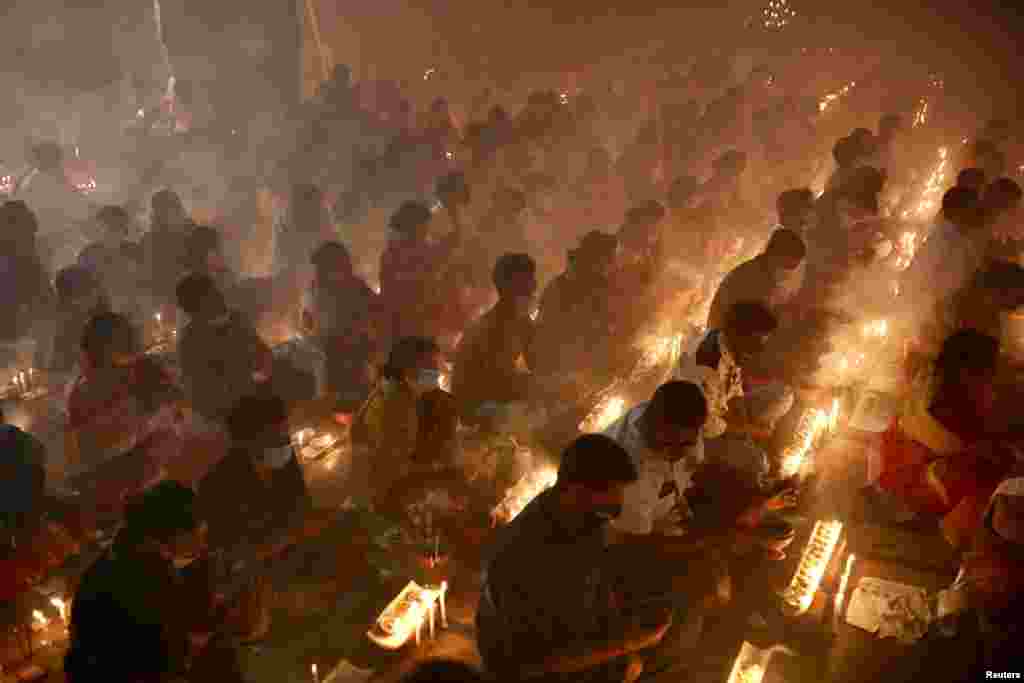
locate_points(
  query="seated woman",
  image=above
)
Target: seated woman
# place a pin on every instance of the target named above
(938, 456)
(124, 418)
(386, 427)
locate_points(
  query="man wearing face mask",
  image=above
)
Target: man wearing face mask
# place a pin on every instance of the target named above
(256, 494)
(495, 355)
(163, 618)
(556, 619)
(222, 357)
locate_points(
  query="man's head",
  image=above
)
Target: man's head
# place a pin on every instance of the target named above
(332, 262)
(989, 157)
(259, 424)
(748, 325)
(682, 192)
(973, 178)
(415, 362)
(785, 250)
(796, 209)
(452, 190)
(639, 233)
(846, 152)
(164, 518)
(673, 421)
(411, 220)
(858, 196)
(592, 478)
(1001, 196)
(109, 340)
(79, 289)
(200, 298)
(515, 279)
(596, 255)
(168, 208)
(17, 221)
(962, 208)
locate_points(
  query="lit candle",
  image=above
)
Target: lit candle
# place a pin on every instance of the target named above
(841, 592)
(316, 674)
(442, 603)
(62, 608)
(813, 564)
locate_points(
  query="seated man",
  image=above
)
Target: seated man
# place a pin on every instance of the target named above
(773, 277)
(556, 620)
(222, 357)
(717, 364)
(163, 618)
(256, 493)
(940, 457)
(494, 356)
(575, 323)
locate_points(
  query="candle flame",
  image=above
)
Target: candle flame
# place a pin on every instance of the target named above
(407, 613)
(813, 564)
(921, 115)
(907, 247)
(877, 329)
(62, 608)
(811, 426)
(40, 619)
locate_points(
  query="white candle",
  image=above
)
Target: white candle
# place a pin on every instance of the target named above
(441, 599)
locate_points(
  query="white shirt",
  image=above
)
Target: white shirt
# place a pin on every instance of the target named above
(656, 498)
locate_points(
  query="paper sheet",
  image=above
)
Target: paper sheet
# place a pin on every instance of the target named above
(890, 609)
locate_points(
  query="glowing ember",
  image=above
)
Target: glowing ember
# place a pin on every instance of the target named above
(564, 98)
(661, 350)
(752, 674)
(407, 613)
(88, 187)
(830, 99)
(748, 667)
(777, 14)
(934, 187)
(813, 564)
(607, 411)
(39, 620)
(877, 329)
(535, 314)
(62, 608)
(921, 114)
(526, 489)
(428, 73)
(812, 425)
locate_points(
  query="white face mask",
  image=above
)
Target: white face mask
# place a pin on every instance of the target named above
(427, 380)
(277, 457)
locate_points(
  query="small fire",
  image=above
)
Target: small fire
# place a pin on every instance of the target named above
(62, 608)
(405, 617)
(812, 425)
(752, 674)
(907, 249)
(607, 411)
(813, 564)
(39, 620)
(659, 350)
(878, 329)
(921, 114)
(934, 187)
(522, 492)
(830, 99)
(748, 667)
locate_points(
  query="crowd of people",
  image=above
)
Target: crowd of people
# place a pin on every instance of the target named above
(428, 280)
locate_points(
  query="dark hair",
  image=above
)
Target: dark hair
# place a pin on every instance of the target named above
(195, 293)
(961, 205)
(107, 334)
(405, 353)
(596, 462)
(161, 513)
(969, 350)
(680, 404)
(330, 253)
(16, 217)
(1002, 194)
(449, 184)
(508, 267)
(410, 215)
(200, 243)
(846, 152)
(750, 318)
(443, 671)
(786, 244)
(972, 178)
(165, 200)
(792, 202)
(254, 414)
